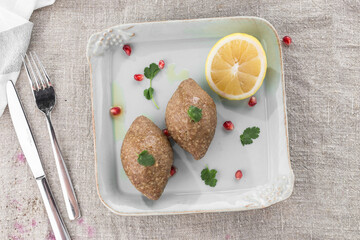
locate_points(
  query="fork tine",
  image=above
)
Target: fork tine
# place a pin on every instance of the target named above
(33, 83)
(38, 71)
(46, 76)
(28, 73)
(34, 78)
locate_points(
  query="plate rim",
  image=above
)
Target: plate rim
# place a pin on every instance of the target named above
(149, 213)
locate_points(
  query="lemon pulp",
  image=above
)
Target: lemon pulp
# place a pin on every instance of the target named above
(236, 66)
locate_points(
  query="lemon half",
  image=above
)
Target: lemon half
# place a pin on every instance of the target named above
(236, 66)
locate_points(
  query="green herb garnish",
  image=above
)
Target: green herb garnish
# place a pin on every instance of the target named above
(208, 176)
(148, 93)
(195, 113)
(150, 72)
(146, 159)
(249, 134)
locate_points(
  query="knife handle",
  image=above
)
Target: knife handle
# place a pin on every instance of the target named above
(57, 224)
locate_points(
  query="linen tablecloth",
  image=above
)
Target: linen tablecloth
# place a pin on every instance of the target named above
(322, 74)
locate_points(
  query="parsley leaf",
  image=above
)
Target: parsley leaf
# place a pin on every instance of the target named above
(195, 113)
(148, 93)
(151, 71)
(212, 182)
(146, 159)
(208, 176)
(249, 134)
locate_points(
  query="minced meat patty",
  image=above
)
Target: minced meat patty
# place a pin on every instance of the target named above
(144, 135)
(194, 137)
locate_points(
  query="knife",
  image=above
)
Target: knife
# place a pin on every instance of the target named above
(30, 151)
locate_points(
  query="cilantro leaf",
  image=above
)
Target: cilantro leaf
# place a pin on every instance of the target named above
(208, 176)
(147, 73)
(213, 173)
(249, 134)
(194, 113)
(146, 159)
(211, 182)
(205, 174)
(151, 71)
(148, 93)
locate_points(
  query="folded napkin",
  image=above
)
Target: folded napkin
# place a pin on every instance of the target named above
(15, 33)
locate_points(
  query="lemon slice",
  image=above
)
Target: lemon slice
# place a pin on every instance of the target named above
(236, 66)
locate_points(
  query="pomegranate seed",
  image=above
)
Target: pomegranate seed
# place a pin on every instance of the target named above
(115, 111)
(172, 170)
(166, 132)
(161, 64)
(138, 77)
(238, 174)
(228, 125)
(252, 101)
(127, 49)
(287, 40)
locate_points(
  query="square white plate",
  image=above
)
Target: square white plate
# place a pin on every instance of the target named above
(267, 174)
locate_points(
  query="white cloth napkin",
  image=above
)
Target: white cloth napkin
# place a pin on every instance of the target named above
(15, 33)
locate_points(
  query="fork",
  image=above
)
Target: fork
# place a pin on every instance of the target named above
(44, 95)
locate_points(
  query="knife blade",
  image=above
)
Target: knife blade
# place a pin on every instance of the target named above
(23, 131)
(31, 153)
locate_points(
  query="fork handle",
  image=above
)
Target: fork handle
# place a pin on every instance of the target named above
(56, 222)
(71, 203)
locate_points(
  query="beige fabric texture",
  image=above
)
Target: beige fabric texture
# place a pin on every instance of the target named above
(323, 90)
